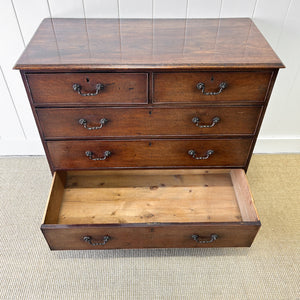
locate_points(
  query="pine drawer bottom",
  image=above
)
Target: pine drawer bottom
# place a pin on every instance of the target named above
(107, 209)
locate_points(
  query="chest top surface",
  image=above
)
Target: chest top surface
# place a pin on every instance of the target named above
(100, 44)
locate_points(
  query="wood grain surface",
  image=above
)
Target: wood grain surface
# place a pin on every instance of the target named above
(69, 237)
(149, 70)
(161, 122)
(148, 153)
(117, 88)
(127, 205)
(182, 87)
(61, 44)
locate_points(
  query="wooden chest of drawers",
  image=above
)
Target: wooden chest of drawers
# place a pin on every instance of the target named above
(149, 127)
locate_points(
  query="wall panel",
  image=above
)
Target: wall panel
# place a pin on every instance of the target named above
(269, 15)
(12, 46)
(101, 8)
(237, 8)
(66, 8)
(169, 8)
(28, 20)
(135, 8)
(282, 117)
(10, 126)
(204, 9)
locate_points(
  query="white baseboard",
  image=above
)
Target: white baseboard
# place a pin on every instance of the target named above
(272, 145)
(263, 145)
(23, 147)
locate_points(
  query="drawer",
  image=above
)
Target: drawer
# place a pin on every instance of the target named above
(95, 154)
(95, 88)
(193, 87)
(112, 209)
(129, 122)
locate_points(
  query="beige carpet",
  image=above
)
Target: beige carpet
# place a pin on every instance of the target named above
(267, 270)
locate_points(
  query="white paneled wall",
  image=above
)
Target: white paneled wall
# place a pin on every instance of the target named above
(102, 8)
(204, 9)
(279, 21)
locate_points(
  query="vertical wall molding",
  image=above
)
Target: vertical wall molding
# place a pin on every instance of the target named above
(254, 8)
(284, 20)
(13, 6)
(9, 114)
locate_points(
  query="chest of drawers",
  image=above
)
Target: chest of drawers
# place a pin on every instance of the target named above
(149, 127)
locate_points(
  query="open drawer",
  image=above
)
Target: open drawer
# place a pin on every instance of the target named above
(110, 209)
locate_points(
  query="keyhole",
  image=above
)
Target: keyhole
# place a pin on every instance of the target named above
(87, 79)
(212, 78)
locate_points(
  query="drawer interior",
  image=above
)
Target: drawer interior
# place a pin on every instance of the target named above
(150, 196)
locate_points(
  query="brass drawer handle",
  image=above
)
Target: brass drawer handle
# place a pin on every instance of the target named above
(77, 88)
(90, 155)
(88, 239)
(215, 120)
(194, 154)
(212, 237)
(83, 122)
(201, 87)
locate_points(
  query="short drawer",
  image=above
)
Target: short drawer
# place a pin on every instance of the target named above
(150, 209)
(89, 88)
(160, 122)
(95, 154)
(210, 86)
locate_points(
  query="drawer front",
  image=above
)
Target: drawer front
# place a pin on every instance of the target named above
(192, 87)
(110, 88)
(148, 153)
(147, 236)
(119, 122)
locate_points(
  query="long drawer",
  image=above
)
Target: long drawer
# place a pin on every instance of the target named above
(95, 154)
(160, 122)
(89, 88)
(210, 86)
(150, 209)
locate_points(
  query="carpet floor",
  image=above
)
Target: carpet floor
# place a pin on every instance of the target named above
(267, 270)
